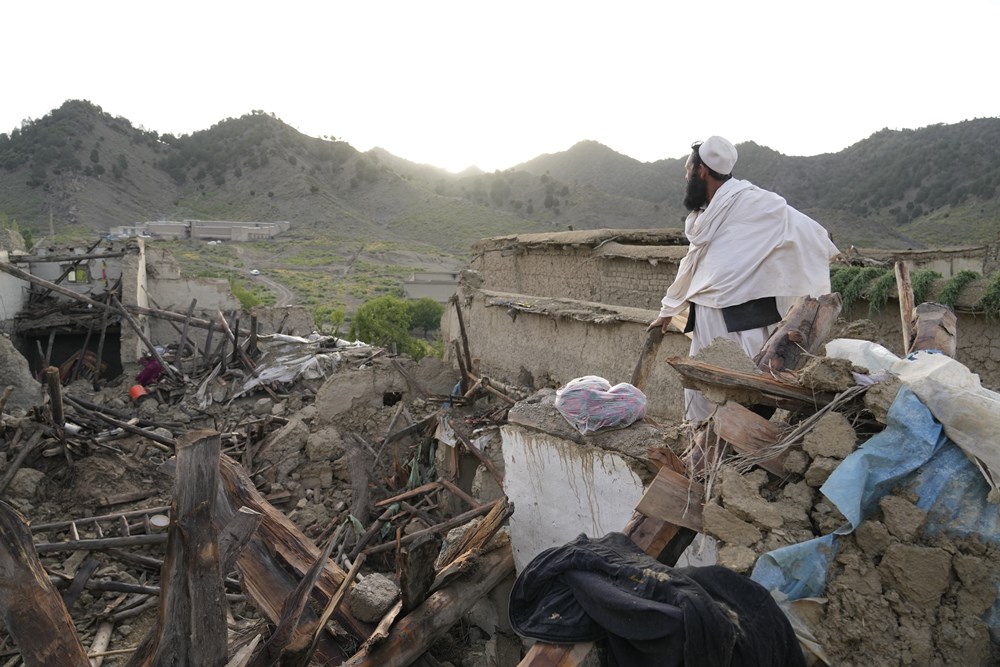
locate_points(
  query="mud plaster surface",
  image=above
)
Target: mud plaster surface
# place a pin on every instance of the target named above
(896, 603)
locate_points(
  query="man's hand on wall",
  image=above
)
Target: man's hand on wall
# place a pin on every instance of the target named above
(660, 323)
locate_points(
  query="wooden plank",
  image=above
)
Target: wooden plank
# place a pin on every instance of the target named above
(905, 288)
(673, 498)
(30, 607)
(748, 433)
(557, 655)
(765, 389)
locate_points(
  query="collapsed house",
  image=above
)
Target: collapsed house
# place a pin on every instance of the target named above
(315, 500)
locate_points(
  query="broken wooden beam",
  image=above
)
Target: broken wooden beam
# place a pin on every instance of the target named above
(476, 538)
(101, 543)
(803, 330)
(192, 614)
(673, 498)
(31, 609)
(647, 358)
(406, 495)
(413, 634)
(749, 434)
(765, 389)
(292, 636)
(277, 556)
(18, 461)
(38, 259)
(162, 443)
(442, 527)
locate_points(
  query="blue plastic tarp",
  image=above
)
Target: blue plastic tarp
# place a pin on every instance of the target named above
(912, 454)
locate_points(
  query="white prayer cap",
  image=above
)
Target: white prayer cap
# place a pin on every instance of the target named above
(718, 155)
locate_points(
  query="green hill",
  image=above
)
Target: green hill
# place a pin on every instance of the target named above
(79, 169)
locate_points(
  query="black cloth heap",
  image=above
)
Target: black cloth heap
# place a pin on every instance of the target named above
(650, 614)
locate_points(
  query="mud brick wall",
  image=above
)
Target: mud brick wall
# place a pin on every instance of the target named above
(577, 272)
(595, 268)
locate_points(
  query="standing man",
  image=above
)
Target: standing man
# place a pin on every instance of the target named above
(750, 256)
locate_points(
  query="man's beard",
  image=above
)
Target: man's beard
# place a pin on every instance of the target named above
(696, 196)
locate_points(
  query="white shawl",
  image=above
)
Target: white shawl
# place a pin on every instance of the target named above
(749, 244)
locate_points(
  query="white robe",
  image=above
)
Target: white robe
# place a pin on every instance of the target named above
(747, 244)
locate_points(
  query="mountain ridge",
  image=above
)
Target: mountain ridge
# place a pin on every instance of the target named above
(938, 185)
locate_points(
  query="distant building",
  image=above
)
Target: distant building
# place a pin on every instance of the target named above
(209, 230)
(438, 285)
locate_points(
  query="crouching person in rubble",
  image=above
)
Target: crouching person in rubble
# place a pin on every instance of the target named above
(750, 256)
(148, 374)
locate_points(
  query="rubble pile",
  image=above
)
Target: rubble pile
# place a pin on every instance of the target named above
(334, 438)
(316, 501)
(899, 589)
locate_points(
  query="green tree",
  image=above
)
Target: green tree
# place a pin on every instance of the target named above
(328, 318)
(384, 321)
(425, 314)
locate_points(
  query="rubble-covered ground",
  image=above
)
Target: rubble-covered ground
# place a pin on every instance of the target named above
(896, 593)
(319, 449)
(315, 448)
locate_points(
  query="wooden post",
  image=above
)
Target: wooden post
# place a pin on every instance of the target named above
(83, 353)
(237, 350)
(192, 628)
(30, 606)
(54, 383)
(208, 344)
(465, 338)
(647, 358)
(905, 289)
(100, 344)
(184, 338)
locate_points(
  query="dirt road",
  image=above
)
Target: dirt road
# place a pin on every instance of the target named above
(285, 296)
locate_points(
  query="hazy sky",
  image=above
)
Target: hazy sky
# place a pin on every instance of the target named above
(464, 83)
